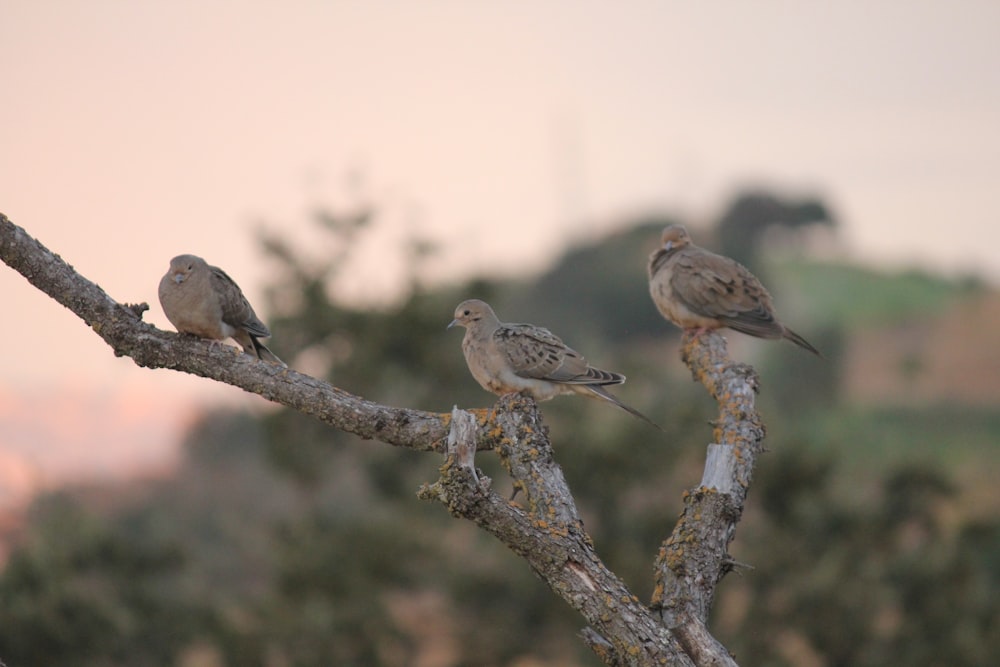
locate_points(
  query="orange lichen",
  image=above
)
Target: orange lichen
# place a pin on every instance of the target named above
(658, 592)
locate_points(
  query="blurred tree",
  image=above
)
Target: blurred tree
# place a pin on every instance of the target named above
(84, 592)
(800, 382)
(741, 228)
(602, 288)
(885, 581)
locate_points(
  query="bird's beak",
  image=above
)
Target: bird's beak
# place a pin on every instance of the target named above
(453, 323)
(668, 246)
(178, 277)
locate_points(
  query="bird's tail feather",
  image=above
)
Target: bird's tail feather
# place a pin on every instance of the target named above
(801, 342)
(603, 393)
(264, 353)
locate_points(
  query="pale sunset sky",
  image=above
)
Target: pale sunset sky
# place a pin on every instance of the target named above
(134, 131)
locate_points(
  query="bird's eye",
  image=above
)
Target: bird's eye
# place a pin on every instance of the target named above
(190, 266)
(467, 313)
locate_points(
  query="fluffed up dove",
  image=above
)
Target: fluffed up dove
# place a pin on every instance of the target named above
(523, 358)
(201, 299)
(700, 290)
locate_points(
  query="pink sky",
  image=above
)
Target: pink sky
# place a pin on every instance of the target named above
(131, 132)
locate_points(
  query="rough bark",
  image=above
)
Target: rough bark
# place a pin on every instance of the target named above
(547, 532)
(543, 527)
(693, 560)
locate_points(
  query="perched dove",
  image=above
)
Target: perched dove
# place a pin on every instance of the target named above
(508, 358)
(697, 289)
(202, 300)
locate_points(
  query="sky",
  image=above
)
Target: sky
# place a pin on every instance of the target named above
(134, 131)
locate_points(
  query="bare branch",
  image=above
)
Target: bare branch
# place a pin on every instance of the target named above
(550, 536)
(694, 558)
(462, 439)
(122, 328)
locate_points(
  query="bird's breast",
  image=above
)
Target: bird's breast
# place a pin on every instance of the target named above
(671, 306)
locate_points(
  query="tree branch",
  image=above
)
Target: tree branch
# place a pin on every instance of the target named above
(122, 328)
(693, 560)
(547, 530)
(550, 536)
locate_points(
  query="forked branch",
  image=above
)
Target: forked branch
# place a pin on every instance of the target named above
(544, 527)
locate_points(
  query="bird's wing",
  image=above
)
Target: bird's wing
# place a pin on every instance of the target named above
(718, 287)
(535, 352)
(236, 310)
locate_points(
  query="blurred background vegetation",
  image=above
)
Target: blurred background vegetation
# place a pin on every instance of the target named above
(872, 534)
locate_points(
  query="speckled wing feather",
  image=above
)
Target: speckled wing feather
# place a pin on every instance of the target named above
(718, 287)
(535, 352)
(236, 310)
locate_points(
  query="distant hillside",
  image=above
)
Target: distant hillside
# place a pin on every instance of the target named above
(948, 354)
(848, 295)
(909, 338)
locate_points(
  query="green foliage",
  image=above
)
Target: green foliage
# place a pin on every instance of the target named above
(892, 582)
(797, 381)
(876, 438)
(850, 296)
(84, 592)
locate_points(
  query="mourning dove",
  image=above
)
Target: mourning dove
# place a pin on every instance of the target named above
(202, 300)
(509, 358)
(697, 289)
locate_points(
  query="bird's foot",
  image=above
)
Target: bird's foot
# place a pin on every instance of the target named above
(695, 332)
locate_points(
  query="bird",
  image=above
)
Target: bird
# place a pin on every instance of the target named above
(202, 300)
(699, 290)
(523, 358)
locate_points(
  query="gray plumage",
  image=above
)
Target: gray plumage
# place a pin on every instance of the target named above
(697, 289)
(203, 300)
(523, 358)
